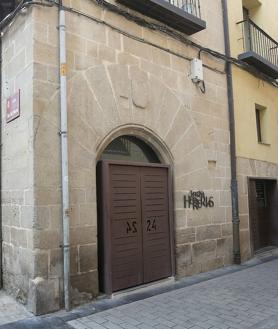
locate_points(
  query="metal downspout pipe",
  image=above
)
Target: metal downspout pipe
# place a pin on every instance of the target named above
(234, 187)
(64, 154)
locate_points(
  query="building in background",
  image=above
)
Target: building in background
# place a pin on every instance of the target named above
(254, 39)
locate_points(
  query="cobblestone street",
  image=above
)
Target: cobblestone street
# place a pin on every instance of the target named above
(246, 299)
(238, 297)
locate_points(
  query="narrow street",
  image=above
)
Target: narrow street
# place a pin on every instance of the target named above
(246, 299)
(238, 297)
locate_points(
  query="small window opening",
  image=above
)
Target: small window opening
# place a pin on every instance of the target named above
(261, 124)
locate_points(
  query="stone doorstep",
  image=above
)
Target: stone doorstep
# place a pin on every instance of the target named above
(104, 303)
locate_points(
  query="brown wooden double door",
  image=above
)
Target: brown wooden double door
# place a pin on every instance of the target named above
(137, 209)
(263, 203)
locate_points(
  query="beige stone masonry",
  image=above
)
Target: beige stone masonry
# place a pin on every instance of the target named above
(116, 85)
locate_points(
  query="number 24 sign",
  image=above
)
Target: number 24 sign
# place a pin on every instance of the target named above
(131, 226)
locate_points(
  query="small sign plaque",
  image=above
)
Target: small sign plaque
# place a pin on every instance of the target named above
(13, 107)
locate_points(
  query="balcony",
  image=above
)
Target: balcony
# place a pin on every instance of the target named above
(182, 15)
(260, 50)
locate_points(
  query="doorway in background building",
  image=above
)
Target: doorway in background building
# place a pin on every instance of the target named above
(134, 229)
(263, 203)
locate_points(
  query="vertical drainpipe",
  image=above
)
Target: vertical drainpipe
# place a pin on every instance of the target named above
(64, 154)
(234, 187)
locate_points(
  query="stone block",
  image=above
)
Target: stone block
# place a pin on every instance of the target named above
(47, 196)
(88, 258)
(19, 237)
(243, 204)
(127, 59)
(244, 222)
(120, 80)
(186, 235)
(245, 247)
(204, 250)
(224, 247)
(137, 49)
(83, 235)
(43, 296)
(183, 255)
(192, 269)
(41, 260)
(27, 217)
(6, 234)
(212, 264)
(77, 196)
(180, 219)
(55, 263)
(74, 260)
(88, 214)
(56, 217)
(226, 229)
(151, 68)
(17, 197)
(47, 239)
(84, 287)
(10, 215)
(106, 54)
(91, 49)
(140, 93)
(45, 53)
(114, 39)
(208, 232)
(76, 43)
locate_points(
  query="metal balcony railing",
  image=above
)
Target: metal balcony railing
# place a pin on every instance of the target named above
(190, 6)
(257, 40)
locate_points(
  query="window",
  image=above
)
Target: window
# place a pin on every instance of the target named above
(261, 123)
(129, 148)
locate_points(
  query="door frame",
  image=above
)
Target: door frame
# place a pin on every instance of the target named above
(251, 223)
(103, 203)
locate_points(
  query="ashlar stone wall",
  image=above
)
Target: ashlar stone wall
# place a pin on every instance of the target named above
(118, 84)
(19, 257)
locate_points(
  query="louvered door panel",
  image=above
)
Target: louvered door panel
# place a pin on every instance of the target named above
(155, 223)
(126, 228)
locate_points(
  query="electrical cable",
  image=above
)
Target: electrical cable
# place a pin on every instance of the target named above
(153, 26)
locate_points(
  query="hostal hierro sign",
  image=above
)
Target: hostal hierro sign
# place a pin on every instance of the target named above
(197, 200)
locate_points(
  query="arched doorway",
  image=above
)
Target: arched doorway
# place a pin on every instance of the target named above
(134, 226)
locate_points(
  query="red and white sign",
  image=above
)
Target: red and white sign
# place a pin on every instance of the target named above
(13, 107)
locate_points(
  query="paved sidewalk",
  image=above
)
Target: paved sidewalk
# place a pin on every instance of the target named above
(241, 300)
(10, 310)
(234, 297)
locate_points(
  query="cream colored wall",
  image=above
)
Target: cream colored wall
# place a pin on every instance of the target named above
(249, 90)
(264, 16)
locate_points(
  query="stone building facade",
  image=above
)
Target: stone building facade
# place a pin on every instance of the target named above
(124, 79)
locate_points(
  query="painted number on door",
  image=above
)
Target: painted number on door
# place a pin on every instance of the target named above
(151, 225)
(131, 227)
